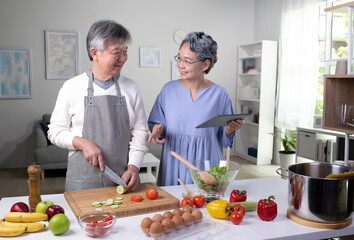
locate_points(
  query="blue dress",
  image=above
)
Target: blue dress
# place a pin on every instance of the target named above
(179, 115)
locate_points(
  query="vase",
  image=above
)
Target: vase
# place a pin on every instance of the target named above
(286, 159)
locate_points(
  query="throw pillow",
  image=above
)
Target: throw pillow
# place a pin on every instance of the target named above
(45, 129)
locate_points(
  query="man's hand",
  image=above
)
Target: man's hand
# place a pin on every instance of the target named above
(157, 132)
(91, 151)
(131, 177)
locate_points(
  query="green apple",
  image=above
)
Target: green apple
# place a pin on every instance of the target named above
(59, 224)
(42, 206)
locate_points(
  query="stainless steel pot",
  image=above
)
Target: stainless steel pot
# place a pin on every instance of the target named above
(313, 197)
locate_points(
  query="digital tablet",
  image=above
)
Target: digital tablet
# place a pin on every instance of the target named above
(222, 120)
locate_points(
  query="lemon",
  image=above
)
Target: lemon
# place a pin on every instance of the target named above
(121, 189)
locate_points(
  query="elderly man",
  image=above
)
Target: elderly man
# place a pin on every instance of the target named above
(99, 115)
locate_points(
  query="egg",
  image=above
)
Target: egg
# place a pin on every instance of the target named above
(177, 212)
(167, 225)
(157, 218)
(167, 214)
(177, 222)
(145, 225)
(197, 215)
(187, 219)
(187, 208)
(155, 229)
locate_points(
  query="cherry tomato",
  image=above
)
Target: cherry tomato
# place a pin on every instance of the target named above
(97, 231)
(236, 218)
(240, 209)
(108, 218)
(152, 194)
(199, 201)
(136, 198)
(187, 201)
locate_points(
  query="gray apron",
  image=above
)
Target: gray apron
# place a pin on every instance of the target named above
(106, 123)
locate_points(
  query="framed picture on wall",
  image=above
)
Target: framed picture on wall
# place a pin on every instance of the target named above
(175, 75)
(15, 74)
(61, 54)
(149, 57)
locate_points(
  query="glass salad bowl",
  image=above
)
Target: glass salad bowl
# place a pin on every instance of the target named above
(96, 224)
(223, 177)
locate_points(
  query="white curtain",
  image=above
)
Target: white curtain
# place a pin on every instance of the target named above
(298, 64)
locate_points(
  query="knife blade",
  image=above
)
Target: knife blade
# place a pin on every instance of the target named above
(113, 176)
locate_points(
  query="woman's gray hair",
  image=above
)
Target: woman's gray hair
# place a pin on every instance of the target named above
(204, 46)
(103, 31)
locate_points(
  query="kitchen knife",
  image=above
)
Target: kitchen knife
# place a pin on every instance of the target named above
(113, 176)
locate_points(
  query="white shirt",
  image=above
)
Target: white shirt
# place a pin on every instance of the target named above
(68, 114)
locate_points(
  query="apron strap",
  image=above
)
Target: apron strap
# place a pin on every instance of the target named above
(119, 94)
(90, 89)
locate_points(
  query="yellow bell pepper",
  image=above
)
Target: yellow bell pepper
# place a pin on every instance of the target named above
(219, 209)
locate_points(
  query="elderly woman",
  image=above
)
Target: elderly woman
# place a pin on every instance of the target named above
(99, 115)
(185, 103)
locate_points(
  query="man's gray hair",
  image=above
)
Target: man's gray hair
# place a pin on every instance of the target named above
(103, 31)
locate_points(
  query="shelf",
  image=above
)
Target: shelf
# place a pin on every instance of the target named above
(252, 124)
(246, 156)
(250, 57)
(341, 8)
(248, 100)
(250, 74)
(256, 93)
(338, 91)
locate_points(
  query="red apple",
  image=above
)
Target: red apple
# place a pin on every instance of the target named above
(19, 207)
(54, 209)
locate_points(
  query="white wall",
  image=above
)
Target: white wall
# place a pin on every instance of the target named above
(151, 23)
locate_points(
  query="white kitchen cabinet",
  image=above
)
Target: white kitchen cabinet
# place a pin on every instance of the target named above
(256, 83)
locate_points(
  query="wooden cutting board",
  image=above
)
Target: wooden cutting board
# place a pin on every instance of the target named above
(80, 201)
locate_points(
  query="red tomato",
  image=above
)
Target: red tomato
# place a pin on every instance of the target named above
(152, 194)
(199, 201)
(136, 198)
(97, 231)
(240, 209)
(108, 218)
(236, 218)
(187, 201)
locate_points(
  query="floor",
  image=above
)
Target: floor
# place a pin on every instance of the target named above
(54, 181)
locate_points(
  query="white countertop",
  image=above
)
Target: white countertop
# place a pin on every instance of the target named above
(250, 228)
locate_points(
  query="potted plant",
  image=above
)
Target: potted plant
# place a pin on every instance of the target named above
(288, 140)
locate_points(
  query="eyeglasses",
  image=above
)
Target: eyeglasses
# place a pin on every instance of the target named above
(186, 62)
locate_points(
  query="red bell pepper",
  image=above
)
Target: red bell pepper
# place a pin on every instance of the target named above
(267, 209)
(238, 196)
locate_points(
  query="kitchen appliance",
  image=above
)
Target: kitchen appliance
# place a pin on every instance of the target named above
(313, 197)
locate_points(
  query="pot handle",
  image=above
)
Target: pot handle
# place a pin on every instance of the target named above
(283, 169)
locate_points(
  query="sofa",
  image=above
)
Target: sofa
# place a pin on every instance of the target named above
(47, 155)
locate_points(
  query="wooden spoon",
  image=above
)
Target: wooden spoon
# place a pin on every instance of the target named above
(341, 175)
(191, 194)
(227, 158)
(206, 177)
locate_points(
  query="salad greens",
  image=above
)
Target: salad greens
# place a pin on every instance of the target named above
(221, 176)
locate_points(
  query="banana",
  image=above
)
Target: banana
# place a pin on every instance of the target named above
(11, 231)
(25, 217)
(30, 227)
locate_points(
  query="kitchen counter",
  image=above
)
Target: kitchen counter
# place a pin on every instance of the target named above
(251, 227)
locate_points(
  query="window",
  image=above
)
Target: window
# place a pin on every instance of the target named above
(333, 44)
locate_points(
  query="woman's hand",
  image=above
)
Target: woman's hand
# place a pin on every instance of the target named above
(233, 126)
(157, 132)
(90, 150)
